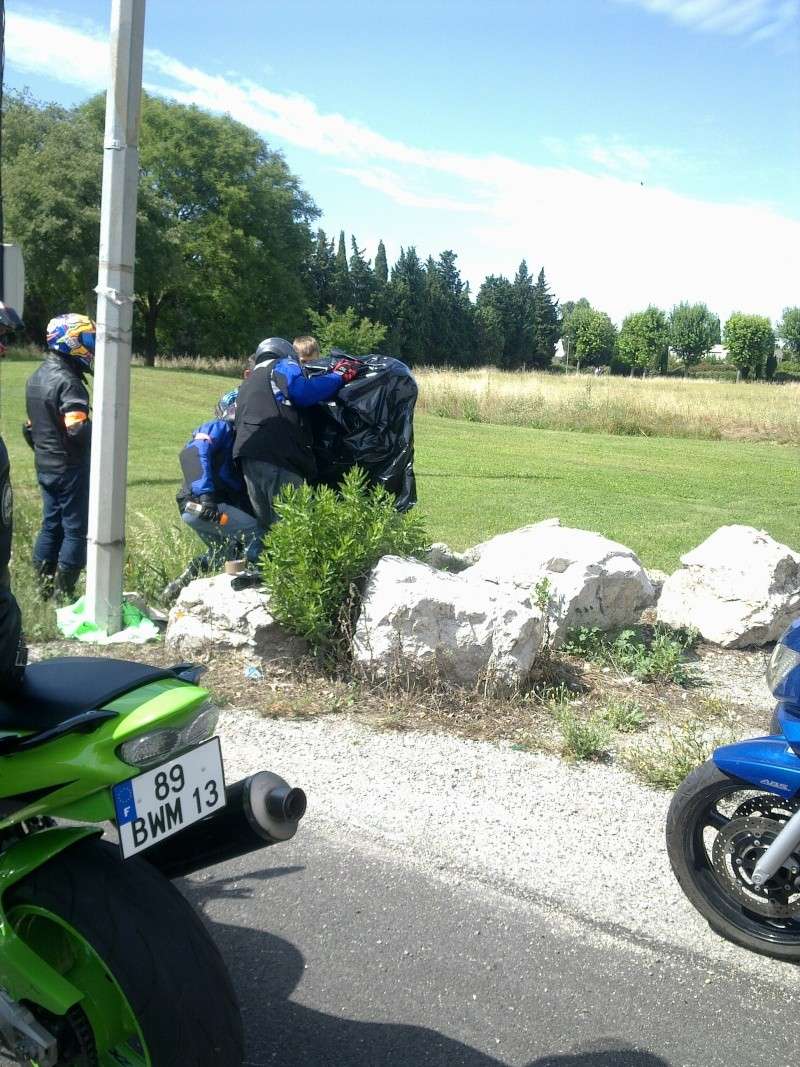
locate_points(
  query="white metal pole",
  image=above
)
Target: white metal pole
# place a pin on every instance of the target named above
(106, 539)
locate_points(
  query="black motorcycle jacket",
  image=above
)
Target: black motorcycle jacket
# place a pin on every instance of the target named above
(269, 427)
(13, 653)
(58, 415)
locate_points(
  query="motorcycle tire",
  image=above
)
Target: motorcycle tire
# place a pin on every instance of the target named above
(699, 792)
(156, 990)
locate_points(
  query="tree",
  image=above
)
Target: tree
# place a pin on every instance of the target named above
(544, 311)
(643, 340)
(362, 281)
(490, 339)
(320, 272)
(497, 295)
(750, 341)
(222, 231)
(448, 313)
(693, 331)
(344, 329)
(405, 303)
(342, 287)
(51, 209)
(789, 331)
(595, 336)
(520, 329)
(381, 266)
(567, 329)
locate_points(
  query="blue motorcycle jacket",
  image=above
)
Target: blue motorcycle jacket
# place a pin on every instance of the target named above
(209, 470)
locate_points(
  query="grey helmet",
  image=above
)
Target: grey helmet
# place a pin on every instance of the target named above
(274, 348)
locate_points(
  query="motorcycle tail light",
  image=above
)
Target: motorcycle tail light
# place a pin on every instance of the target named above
(159, 745)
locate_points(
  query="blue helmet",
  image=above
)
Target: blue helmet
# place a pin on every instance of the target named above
(226, 408)
(72, 336)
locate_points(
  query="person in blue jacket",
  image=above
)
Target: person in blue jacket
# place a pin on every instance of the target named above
(213, 499)
(274, 443)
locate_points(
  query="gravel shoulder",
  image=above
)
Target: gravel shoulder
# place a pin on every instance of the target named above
(586, 841)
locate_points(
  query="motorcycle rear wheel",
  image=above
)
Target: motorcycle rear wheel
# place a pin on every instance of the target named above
(156, 990)
(700, 807)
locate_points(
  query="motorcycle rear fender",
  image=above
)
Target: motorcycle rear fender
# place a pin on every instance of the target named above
(23, 974)
(767, 762)
(71, 775)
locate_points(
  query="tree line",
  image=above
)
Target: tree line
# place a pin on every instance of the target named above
(226, 249)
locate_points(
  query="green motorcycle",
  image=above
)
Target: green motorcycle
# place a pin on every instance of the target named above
(111, 785)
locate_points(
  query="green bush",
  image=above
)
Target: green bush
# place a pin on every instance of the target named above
(326, 542)
(664, 763)
(654, 658)
(626, 716)
(582, 739)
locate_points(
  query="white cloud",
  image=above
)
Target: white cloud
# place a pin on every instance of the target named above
(618, 242)
(757, 19)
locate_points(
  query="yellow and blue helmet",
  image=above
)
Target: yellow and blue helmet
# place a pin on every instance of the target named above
(73, 336)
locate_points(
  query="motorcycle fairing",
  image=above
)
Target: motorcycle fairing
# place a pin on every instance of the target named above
(769, 763)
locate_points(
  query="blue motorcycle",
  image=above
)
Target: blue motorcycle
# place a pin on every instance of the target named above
(733, 829)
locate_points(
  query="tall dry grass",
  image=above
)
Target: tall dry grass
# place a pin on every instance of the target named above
(658, 407)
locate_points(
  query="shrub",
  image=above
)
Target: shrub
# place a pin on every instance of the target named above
(665, 763)
(658, 658)
(326, 542)
(625, 716)
(582, 739)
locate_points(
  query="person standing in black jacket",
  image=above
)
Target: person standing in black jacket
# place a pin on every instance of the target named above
(59, 432)
(273, 439)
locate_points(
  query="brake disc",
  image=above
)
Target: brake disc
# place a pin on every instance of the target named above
(768, 806)
(738, 847)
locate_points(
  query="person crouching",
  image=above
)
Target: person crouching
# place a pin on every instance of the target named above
(213, 500)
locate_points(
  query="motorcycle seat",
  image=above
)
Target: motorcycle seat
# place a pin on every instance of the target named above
(56, 690)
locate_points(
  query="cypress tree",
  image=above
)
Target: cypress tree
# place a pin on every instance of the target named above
(545, 323)
(342, 288)
(381, 266)
(362, 282)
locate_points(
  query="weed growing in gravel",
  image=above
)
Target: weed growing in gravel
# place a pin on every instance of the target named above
(625, 716)
(654, 657)
(665, 763)
(582, 739)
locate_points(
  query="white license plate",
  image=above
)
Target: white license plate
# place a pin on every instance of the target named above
(164, 801)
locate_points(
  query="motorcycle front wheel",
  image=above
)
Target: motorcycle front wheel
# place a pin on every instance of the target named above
(156, 991)
(717, 829)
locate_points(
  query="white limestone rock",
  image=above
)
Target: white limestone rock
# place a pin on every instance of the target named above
(445, 558)
(415, 616)
(739, 588)
(209, 616)
(592, 581)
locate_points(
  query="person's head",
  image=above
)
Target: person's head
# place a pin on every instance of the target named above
(10, 322)
(307, 348)
(226, 407)
(273, 348)
(73, 337)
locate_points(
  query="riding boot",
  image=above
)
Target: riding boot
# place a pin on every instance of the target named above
(65, 581)
(199, 565)
(45, 573)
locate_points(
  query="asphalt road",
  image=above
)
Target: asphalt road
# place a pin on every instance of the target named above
(353, 956)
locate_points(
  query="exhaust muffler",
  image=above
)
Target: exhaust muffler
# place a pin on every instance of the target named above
(261, 810)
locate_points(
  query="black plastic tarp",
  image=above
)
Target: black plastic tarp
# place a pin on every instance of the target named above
(369, 424)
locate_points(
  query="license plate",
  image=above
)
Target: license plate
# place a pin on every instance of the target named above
(164, 801)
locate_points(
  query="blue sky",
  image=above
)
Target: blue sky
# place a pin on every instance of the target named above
(641, 150)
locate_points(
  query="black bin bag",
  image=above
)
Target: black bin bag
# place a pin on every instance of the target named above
(370, 424)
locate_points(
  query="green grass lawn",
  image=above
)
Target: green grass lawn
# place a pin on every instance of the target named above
(661, 496)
